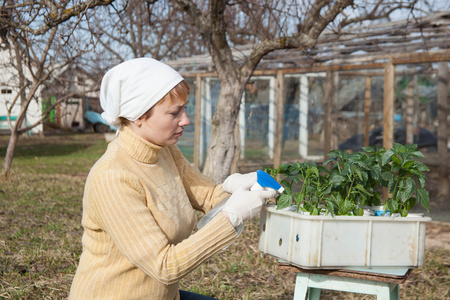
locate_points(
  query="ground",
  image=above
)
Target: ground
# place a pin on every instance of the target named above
(438, 230)
(437, 235)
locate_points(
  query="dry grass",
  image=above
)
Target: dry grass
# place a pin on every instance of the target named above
(40, 237)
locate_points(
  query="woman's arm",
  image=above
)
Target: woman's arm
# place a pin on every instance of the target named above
(201, 190)
(119, 205)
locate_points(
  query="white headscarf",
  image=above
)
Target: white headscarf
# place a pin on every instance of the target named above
(133, 87)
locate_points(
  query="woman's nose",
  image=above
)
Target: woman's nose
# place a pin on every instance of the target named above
(184, 120)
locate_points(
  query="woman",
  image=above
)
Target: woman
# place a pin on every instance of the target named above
(140, 197)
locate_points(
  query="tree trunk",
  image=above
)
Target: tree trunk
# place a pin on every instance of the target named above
(222, 148)
(10, 153)
(14, 137)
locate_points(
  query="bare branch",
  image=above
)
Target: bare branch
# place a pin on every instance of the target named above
(196, 15)
(314, 24)
(51, 17)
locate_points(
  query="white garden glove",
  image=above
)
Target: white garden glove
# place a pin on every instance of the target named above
(236, 180)
(244, 204)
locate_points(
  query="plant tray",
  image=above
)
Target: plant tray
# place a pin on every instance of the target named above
(342, 241)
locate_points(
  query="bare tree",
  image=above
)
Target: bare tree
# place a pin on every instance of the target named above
(266, 25)
(32, 60)
(31, 69)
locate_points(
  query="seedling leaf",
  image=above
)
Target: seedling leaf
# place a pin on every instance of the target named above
(387, 156)
(424, 198)
(284, 201)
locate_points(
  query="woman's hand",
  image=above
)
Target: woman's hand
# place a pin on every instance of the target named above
(244, 204)
(236, 180)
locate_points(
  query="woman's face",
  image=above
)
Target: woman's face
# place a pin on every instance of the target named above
(165, 124)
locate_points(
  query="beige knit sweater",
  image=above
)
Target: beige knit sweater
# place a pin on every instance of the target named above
(138, 218)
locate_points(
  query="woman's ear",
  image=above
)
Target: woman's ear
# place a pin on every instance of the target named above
(138, 122)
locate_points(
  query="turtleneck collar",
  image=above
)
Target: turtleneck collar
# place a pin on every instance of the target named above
(140, 149)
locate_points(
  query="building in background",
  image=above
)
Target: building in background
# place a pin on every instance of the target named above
(9, 90)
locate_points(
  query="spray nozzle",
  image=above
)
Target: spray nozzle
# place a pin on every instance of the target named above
(266, 181)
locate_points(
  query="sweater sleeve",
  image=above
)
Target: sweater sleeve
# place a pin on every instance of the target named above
(202, 192)
(119, 206)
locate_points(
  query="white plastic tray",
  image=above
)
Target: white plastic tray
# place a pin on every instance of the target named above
(342, 241)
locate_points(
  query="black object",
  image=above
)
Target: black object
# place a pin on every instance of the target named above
(422, 137)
